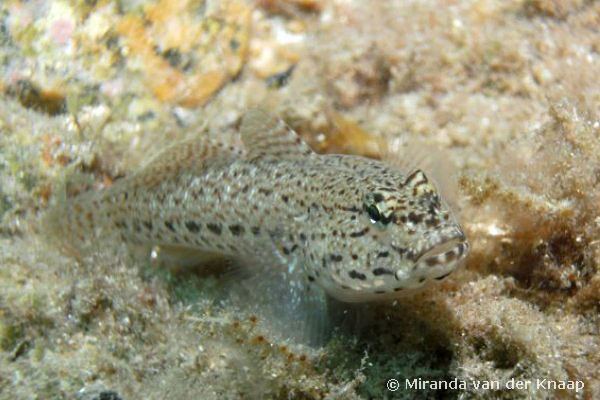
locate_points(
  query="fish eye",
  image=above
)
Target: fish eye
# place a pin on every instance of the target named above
(373, 212)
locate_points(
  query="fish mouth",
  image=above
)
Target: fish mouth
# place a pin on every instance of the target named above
(447, 246)
(447, 252)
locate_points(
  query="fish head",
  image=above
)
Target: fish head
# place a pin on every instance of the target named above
(403, 238)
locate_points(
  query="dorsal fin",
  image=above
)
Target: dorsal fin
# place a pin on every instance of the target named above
(265, 136)
(188, 155)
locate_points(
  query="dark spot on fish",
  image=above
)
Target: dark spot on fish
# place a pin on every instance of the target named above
(432, 222)
(214, 228)
(285, 198)
(354, 256)
(383, 254)
(401, 251)
(192, 226)
(378, 197)
(236, 230)
(360, 233)
(255, 230)
(432, 261)
(422, 279)
(336, 257)
(382, 271)
(380, 291)
(311, 278)
(357, 275)
(415, 218)
(169, 225)
(398, 289)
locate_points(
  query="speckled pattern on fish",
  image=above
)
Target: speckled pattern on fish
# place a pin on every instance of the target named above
(355, 227)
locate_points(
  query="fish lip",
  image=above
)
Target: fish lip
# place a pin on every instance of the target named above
(445, 252)
(449, 256)
(452, 246)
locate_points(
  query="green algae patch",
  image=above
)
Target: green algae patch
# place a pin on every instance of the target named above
(374, 365)
(10, 335)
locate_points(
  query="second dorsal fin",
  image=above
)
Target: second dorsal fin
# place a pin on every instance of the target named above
(265, 136)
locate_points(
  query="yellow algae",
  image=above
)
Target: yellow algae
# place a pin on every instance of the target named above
(291, 7)
(217, 47)
(347, 136)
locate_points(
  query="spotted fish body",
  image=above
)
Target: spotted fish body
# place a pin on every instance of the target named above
(352, 226)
